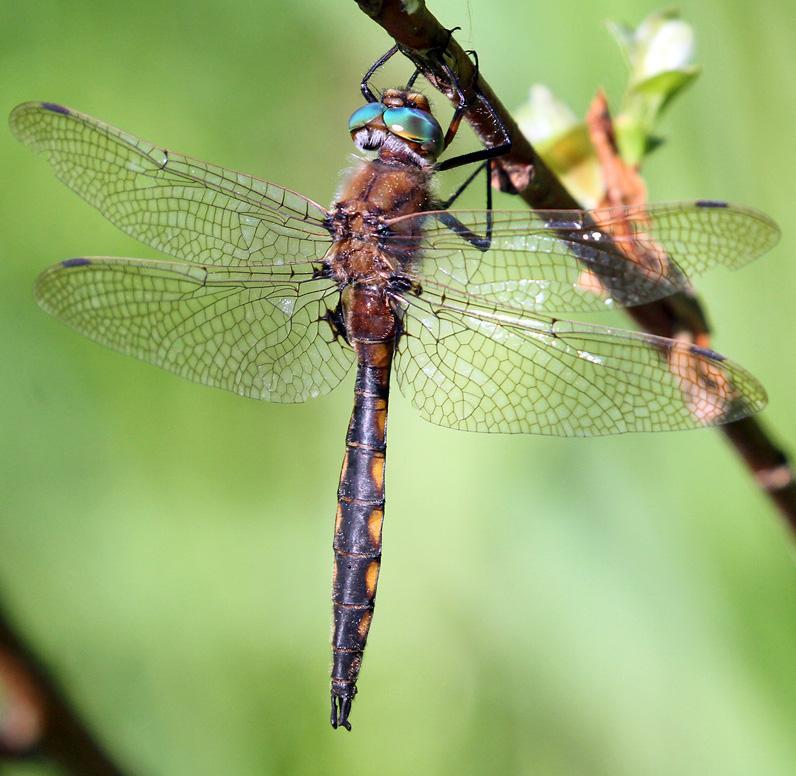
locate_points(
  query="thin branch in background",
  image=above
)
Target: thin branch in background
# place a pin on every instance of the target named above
(37, 719)
(421, 38)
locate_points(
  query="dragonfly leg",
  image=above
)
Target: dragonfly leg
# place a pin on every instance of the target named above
(481, 242)
(367, 92)
(485, 156)
(445, 204)
(503, 145)
(411, 82)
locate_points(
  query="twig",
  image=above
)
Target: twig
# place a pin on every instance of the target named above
(421, 37)
(38, 719)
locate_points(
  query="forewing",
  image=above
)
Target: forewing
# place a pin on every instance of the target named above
(184, 207)
(560, 261)
(476, 370)
(252, 332)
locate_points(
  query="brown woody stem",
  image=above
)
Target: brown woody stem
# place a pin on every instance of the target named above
(37, 719)
(421, 37)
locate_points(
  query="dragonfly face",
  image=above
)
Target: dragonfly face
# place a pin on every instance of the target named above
(275, 297)
(402, 122)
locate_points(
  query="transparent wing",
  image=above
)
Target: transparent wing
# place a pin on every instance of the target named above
(559, 261)
(184, 207)
(478, 370)
(254, 333)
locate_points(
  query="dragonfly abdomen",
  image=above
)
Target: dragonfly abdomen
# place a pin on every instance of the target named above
(360, 503)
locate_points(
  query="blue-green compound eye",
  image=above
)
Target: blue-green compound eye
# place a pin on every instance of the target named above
(415, 125)
(363, 116)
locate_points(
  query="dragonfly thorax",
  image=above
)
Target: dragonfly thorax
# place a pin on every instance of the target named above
(375, 194)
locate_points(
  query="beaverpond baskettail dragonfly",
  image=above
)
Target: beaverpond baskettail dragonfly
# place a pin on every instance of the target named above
(273, 296)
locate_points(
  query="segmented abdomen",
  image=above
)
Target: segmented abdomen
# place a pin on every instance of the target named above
(360, 512)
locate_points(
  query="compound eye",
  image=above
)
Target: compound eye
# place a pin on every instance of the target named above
(416, 125)
(361, 117)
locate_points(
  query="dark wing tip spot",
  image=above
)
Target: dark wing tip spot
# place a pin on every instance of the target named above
(707, 353)
(711, 203)
(81, 262)
(56, 108)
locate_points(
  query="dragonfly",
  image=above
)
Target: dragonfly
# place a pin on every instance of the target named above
(273, 296)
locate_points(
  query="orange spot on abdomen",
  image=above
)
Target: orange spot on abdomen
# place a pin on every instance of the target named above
(372, 578)
(375, 521)
(377, 472)
(364, 625)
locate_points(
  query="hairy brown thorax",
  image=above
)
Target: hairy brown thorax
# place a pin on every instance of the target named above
(376, 192)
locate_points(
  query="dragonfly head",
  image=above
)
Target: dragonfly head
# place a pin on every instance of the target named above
(400, 122)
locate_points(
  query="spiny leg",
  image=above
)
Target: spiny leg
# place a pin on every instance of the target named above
(481, 242)
(486, 156)
(364, 85)
(491, 152)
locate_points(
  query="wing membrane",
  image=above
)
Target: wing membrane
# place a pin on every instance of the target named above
(255, 333)
(559, 261)
(471, 369)
(184, 207)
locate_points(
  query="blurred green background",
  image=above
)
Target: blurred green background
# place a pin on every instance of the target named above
(620, 606)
